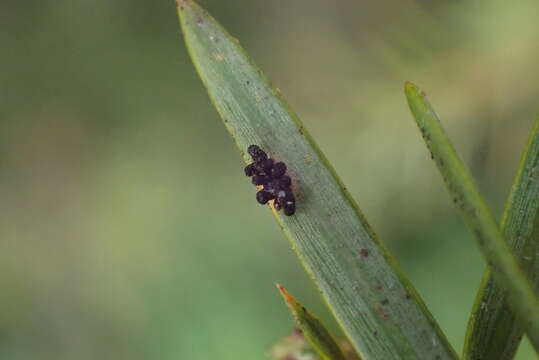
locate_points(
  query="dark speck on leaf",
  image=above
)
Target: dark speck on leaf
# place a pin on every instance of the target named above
(364, 253)
(385, 302)
(382, 313)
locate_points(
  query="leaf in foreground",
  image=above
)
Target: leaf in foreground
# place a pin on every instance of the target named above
(371, 300)
(476, 214)
(493, 332)
(313, 330)
(296, 347)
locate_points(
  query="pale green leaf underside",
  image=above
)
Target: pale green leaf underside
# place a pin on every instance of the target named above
(476, 214)
(493, 332)
(376, 307)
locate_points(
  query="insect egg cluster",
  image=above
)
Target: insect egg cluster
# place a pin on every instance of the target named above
(271, 175)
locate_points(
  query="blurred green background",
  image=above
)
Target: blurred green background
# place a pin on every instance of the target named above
(127, 228)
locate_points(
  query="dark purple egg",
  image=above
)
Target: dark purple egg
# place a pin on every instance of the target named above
(260, 180)
(289, 208)
(250, 170)
(263, 197)
(278, 170)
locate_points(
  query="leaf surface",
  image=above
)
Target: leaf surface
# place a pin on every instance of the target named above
(493, 332)
(375, 305)
(476, 214)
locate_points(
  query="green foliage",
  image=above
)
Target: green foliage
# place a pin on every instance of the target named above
(493, 332)
(295, 346)
(312, 329)
(477, 215)
(370, 298)
(375, 305)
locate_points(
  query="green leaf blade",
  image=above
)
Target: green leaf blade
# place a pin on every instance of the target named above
(493, 331)
(371, 300)
(476, 214)
(314, 331)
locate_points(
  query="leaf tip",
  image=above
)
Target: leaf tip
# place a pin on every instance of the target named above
(295, 307)
(410, 87)
(288, 298)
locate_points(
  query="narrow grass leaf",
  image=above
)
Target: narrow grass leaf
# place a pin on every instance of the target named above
(314, 331)
(493, 331)
(476, 214)
(371, 300)
(296, 347)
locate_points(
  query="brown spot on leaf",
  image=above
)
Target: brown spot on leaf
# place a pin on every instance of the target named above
(364, 253)
(383, 313)
(180, 3)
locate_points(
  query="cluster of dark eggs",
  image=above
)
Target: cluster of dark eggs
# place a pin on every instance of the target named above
(271, 175)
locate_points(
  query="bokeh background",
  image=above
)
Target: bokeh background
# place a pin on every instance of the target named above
(127, 230)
